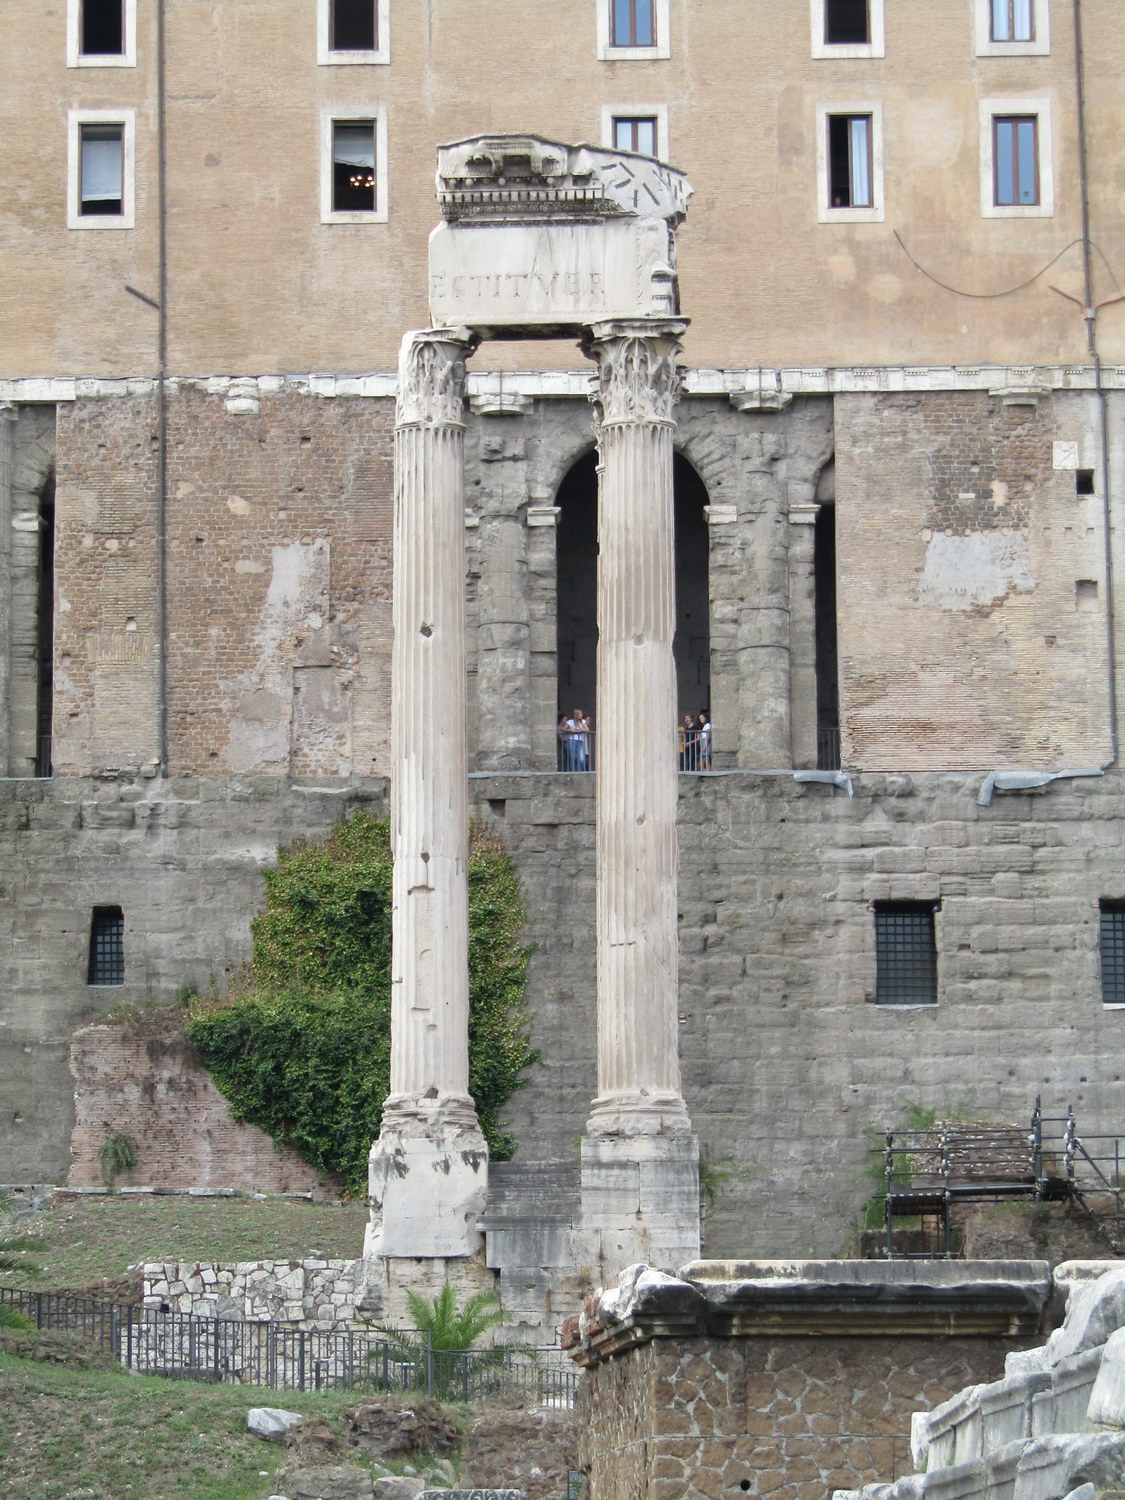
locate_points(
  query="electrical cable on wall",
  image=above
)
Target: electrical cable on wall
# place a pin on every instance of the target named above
(1008, 291)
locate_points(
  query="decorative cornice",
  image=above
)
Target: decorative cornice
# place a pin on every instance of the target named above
(431, 377)
(639, 379)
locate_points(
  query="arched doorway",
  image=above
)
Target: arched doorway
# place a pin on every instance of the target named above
(576, 575)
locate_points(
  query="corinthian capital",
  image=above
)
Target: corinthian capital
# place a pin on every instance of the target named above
(431, 376)
(638, 377)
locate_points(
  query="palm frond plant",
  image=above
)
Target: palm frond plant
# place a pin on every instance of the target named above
(438, 1351)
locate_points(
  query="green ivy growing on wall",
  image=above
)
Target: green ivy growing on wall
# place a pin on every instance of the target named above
(302, 1048)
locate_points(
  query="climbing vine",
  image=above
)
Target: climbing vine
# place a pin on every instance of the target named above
(302, 1046)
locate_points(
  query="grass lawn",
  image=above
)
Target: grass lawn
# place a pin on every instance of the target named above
(91, 1239)
(90, 1435)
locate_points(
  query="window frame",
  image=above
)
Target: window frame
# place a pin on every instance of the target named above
(1109, 906)
(611, 113)
(76, 118)
(1039, 46)
(330, 116)
(76, 58)
(378, 55)
(821, 48)
(826, 213)
(117, 914)
(607, 52)
(999, 108)
(930, 908)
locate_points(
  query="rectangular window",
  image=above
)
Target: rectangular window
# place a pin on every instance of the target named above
(635, 133)
(100, 176)
(1111, 944)
(1016, 169)
(633, 23)
(107, 946)
(849, 161)
(352, 31)
(352, 26)
(101, 33)
(102, 181)
(844, 29)
(1012, 21)
(1015, 160)
(632, 29)
(846, 23)
(905, 953)
(353, 169)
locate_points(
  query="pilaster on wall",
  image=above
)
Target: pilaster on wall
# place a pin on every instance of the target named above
(27, 463)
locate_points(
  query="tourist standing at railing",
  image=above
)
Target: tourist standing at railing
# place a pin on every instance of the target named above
(703, 729)
(689, 744)
(562, 735)
(581, 724)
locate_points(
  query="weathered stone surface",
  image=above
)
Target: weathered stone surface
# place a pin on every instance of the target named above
(529, 1451)
(313, 1442)
(1093, 1313)
(338, 1482)
(1107, 1399)
(391, 1427)
(272, 1421)
(398, 1487)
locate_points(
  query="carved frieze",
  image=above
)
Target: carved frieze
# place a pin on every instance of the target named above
(431, 377)
(638, 378)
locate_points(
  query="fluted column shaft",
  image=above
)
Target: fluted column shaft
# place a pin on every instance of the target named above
(638, 1058)
(429, 804)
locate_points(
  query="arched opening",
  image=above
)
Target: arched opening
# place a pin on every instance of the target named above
(576, 573)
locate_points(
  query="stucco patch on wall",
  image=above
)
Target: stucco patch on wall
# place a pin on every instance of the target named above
(980, 569)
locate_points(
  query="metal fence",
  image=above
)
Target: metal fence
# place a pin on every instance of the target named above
(233, 1352)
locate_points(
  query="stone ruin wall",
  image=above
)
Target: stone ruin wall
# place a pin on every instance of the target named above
(796, 1417)
(131, 1078)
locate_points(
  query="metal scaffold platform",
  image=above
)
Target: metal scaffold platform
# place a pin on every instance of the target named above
(929, 1173)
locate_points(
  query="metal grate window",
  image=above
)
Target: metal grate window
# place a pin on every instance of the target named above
(1111, 941)
(905, 953)
(107, 946)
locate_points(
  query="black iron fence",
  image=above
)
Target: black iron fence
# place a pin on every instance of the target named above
(271, 1355)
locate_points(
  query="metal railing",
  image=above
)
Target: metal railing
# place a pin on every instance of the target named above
(269, 1355)
(576, 750)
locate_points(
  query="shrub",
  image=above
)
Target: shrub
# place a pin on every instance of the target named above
(302, 1049)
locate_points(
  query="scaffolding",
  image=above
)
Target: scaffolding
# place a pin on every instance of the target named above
(928, 1173)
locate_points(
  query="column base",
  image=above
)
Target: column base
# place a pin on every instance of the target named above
(640, 1200)
(647, 1112)
(427, 1180)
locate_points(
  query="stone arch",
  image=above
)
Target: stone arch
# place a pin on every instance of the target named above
(576, 572)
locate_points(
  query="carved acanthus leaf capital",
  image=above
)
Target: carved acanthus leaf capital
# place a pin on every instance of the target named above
(638, 377)
(431, 376)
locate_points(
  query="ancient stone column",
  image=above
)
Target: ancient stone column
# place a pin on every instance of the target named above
(639, 1158)
(429, 1166)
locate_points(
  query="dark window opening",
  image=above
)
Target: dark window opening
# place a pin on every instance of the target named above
(1015, 160)
(103, 28)
(849, 161)
(846, 22)
(827, 684)
(102, 172)
(634, 24)
(1084, 482)
(905, 953)
(576, 609)
(1111, 944)
(635, 133)
(44, 627)
(107, 946)
(352, 26)
(1012, 21)
(353, 166)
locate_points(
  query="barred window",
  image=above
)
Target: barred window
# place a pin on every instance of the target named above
(107, 946)
(905, 953)
(1111, 941)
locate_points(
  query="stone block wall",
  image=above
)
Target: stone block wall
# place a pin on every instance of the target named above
(320, 1294)
(142, 1079)
(792, 1418)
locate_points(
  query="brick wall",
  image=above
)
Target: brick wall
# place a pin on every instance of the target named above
(965, 636)
(279, 583)
(139, 1077)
